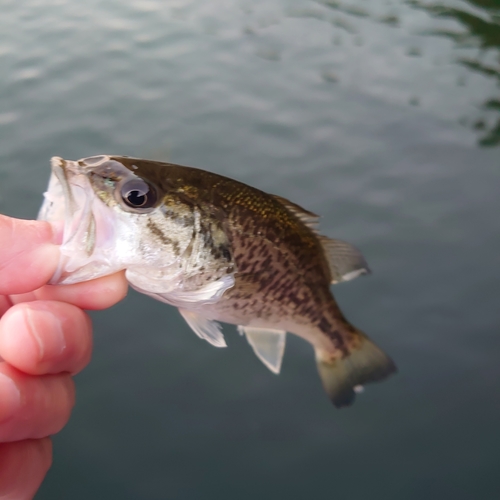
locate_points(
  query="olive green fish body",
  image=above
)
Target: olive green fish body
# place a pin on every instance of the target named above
(283, 276)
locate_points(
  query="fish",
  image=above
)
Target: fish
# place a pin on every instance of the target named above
(218, 250)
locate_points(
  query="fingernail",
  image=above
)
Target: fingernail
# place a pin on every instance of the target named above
(10, 398)
(45, 329)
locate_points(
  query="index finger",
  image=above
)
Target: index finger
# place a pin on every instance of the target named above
(99, 293)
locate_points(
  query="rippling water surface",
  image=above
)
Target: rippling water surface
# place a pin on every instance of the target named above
(383, 117)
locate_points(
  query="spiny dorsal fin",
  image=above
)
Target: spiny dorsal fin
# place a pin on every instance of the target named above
(267, 344)
(204, 328)
(310, 219)
(346, 261)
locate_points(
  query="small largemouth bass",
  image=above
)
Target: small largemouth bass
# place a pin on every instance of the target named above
(218, 250)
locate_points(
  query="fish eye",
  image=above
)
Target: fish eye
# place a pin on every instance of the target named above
(138, 194)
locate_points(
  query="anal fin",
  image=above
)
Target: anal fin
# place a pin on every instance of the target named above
(267, 344)
(206, 329)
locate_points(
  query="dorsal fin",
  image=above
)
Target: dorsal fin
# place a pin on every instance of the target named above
(267, 344)
(310, 219)
(346, 261)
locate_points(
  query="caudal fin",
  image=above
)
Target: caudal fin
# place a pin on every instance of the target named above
(364, 363)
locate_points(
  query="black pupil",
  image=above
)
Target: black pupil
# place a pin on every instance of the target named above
(137, 198)
(138, 194)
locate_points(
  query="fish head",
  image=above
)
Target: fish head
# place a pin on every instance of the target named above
(100, 211)
(113, 213)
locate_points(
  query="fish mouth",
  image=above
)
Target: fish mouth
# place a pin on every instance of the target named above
(73, 210)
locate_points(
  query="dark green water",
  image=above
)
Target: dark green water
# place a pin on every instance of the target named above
(381, 116)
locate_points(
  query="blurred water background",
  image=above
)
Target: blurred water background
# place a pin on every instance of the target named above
(383, 117)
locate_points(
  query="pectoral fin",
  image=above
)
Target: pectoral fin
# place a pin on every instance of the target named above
(346, 261)
(204, 328)
(268, 345)
(206, 294)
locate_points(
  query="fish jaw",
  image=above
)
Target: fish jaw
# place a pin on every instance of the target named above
(84, 226)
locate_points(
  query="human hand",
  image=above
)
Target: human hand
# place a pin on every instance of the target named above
(45, 338)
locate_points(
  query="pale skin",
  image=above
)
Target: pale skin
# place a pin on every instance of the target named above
(45, 338)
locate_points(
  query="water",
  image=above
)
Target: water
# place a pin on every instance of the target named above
(383, 117)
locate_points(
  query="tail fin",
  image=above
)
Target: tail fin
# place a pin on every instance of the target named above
(364, 363)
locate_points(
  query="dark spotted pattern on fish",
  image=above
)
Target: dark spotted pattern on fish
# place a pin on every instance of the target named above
(153, 227)
(281, 267)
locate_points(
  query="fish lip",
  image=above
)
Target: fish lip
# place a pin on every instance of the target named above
(58, 166)
(78, 220)
(64, 170)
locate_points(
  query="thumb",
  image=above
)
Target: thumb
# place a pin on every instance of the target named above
(28, 255)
